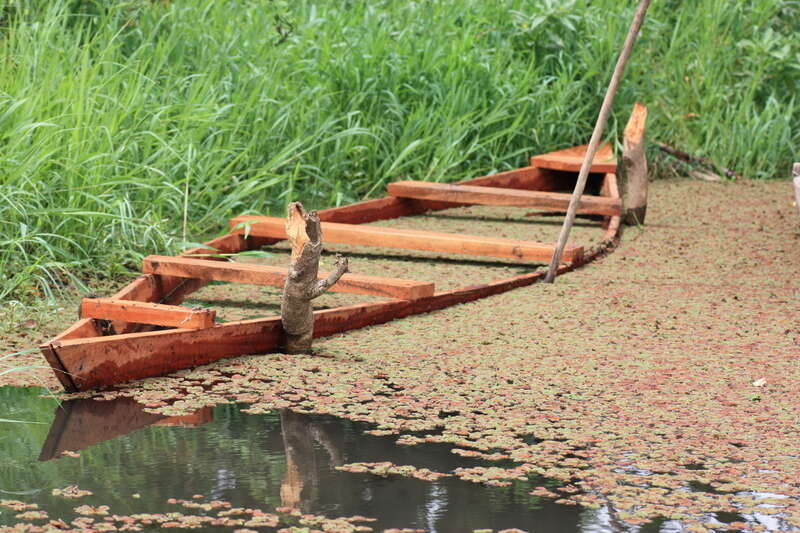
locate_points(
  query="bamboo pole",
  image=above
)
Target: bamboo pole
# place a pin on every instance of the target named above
(602, 118)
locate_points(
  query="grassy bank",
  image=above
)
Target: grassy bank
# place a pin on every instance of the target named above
(129, 128)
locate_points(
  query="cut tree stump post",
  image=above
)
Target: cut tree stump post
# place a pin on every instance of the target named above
(634, 164)
(302, 286)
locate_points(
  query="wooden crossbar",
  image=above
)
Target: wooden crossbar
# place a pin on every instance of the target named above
(571, 159)
(466, 194)
(184, 267)
(414, 240)
(147, 313)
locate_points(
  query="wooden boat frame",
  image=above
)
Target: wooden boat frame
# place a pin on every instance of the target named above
(108, 346)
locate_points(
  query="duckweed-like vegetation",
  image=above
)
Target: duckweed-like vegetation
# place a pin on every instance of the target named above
(660, 381)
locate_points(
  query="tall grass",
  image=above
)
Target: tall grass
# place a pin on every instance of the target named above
(126, 125)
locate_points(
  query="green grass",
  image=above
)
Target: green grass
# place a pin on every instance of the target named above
(127, 127)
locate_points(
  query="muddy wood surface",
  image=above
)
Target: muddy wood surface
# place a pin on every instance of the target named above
(630, 380)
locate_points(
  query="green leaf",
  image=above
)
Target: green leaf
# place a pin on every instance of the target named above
(9, 421)
(246, 225)
(254, 253)
(186, 245)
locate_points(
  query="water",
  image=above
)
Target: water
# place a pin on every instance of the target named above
(258, 461)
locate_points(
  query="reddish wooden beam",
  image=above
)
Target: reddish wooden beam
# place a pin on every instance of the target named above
(527, 178)
(571, 159)
(276, 277)
(147, 313)
(467, 194)
(416, 240)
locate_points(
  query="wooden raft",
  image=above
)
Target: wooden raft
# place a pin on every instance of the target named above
(124, 337)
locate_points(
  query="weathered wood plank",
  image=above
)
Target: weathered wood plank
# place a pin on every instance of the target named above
(417, 240)
(467, 194)
(276, 277)
(147, 313)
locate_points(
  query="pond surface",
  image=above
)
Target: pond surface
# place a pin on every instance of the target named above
(134, 461)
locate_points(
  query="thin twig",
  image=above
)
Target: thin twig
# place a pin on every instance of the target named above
(605, 109)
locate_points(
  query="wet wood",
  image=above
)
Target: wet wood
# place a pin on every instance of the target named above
(276, 277)
(100, 361)
(61, 372)
(473, 195)
(570, 159)
(634, 162)
(418, 240)
(147, 313)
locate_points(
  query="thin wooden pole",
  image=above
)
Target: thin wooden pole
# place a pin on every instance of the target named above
(605, 109)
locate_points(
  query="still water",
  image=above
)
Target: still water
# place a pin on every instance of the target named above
(134, 461)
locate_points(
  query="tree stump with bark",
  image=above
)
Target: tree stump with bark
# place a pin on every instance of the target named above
(634, 164)
(302, 286)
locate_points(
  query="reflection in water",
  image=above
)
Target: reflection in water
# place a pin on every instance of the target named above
(79, 424)
(259, 461)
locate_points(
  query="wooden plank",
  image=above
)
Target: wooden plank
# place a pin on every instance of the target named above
(61, 372)
(467, 194)
(571, 159)
(527, 178)
(276, 277)
(417, 240)
(100, 361)
(147, 313)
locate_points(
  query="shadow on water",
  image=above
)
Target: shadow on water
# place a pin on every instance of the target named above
(261, 461)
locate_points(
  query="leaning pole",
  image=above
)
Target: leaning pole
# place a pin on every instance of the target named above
(602, 118)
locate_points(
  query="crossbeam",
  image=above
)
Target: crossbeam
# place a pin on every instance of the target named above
(147, 313)
(413, 240)
(184, 267)
(571, 159)
(466, 194)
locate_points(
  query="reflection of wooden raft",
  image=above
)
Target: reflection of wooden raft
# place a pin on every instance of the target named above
(116, 340)
(79, 424)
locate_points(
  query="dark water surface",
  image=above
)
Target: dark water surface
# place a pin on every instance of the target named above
(257, 461)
